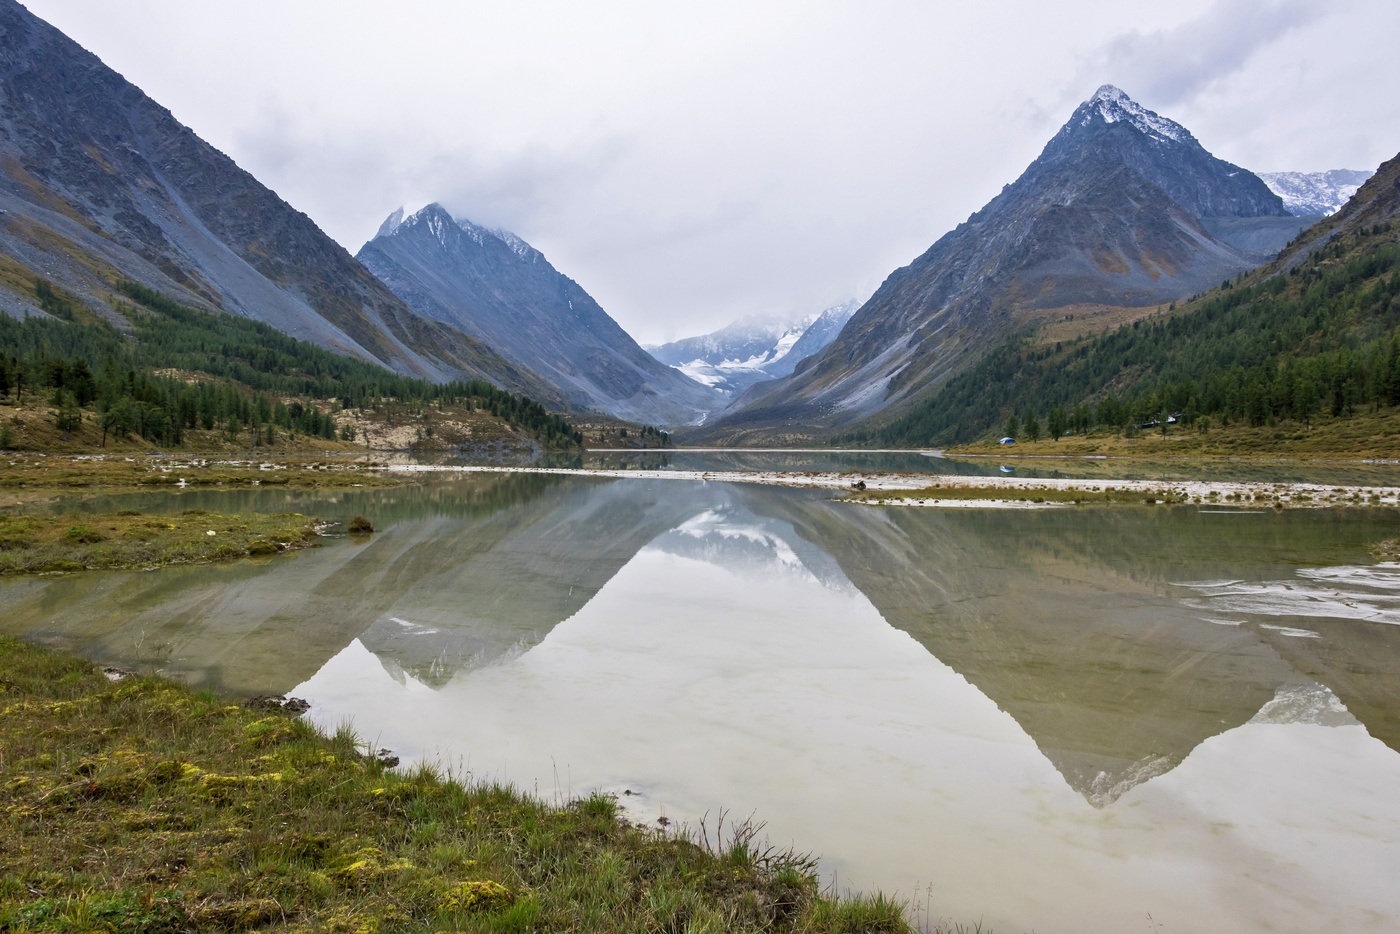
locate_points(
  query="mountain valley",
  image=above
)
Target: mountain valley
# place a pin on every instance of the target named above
(752, 350)
(1123, 210)
(1124, 216)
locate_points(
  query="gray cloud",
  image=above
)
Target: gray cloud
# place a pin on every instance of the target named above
(521, 190)
(1169, 67)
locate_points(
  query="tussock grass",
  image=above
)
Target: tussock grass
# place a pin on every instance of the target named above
(139, 805)
(1388, 550)
(50, 544)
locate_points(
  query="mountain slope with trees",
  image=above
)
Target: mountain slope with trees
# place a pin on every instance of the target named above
(1123, 210)
(1316, 331)
(99, 183)
(177, 369)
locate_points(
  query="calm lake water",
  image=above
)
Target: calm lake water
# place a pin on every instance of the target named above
(1154, 719)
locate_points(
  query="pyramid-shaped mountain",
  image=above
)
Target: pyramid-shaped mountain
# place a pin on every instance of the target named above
(100, 183)
(498, 288)
(1123, 210)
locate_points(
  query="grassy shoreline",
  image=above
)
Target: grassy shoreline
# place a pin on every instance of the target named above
(139, 805)
(35, 472)
(131, 540)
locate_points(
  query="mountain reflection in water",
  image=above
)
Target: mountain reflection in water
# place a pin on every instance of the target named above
(1063, 717)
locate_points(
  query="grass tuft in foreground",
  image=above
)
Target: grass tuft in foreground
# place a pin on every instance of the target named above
(139, 805)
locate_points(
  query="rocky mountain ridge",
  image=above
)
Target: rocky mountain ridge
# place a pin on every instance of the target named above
(494, 286)
(1123, 209)
(1320, 316)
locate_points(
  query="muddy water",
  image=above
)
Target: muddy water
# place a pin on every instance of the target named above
(1063, 720)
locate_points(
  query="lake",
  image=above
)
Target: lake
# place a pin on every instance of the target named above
(1081, 719)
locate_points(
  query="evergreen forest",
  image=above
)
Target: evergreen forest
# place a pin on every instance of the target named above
(178, 368)
(1275, 344)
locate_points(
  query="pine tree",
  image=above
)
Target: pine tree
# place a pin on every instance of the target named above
(1031, 421)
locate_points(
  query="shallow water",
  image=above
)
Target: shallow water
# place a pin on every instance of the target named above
(1057, 720)
(1038, 461)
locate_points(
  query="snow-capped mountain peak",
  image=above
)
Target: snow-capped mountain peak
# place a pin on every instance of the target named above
(391, 223)
(1312, 193)
(437, 218)
(754, 349)
(401, 214)
(477, 233)
(1110, 93)
(493, 286)
(403, 217)
(1111, 105)
(517, 245)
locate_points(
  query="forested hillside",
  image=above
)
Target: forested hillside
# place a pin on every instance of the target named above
(178, 368)
(1317, 331)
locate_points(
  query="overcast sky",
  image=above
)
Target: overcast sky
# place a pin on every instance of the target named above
(689, 164)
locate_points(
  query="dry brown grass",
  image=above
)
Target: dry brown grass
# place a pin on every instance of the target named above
(1363, 436)
(1071, 321)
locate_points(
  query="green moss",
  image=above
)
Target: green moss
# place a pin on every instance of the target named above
(477, 896)
(268, 731)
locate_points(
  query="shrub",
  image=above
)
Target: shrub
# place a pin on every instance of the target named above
(83, 535)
